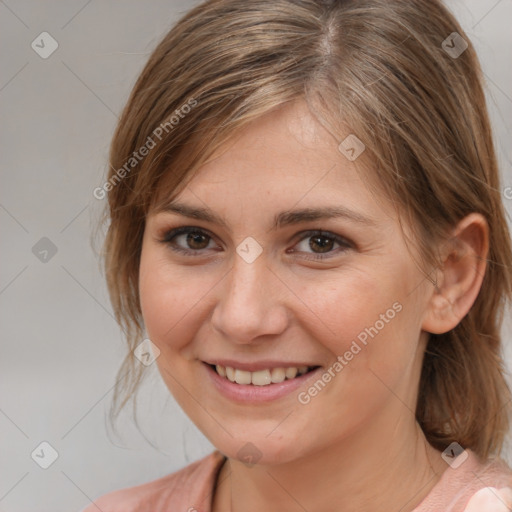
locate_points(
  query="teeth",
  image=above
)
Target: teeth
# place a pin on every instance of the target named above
(291, 372)
(261, 377)
(278, 374)
(230, 373)
(242, 377)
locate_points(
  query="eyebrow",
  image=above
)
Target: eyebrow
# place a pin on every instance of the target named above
(282, 219)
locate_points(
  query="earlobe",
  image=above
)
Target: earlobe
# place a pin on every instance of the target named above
(460, 275)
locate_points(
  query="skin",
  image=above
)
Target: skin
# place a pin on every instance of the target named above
(356, 445)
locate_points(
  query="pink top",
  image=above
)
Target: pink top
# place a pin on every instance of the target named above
(486, 484)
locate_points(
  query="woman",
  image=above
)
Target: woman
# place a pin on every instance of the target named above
(306, 223)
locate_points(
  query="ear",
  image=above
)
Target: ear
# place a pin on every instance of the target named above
(460, 275)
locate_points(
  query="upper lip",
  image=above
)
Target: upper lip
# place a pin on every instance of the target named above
(258, 365)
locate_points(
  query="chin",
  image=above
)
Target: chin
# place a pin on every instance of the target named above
(257, 447)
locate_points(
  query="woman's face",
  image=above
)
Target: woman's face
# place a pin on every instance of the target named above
(286, 260)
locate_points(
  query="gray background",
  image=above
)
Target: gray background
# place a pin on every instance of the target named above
(60, 347)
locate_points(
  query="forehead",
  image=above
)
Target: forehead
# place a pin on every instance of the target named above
(288, 154)
(286, 141)
(280, 161)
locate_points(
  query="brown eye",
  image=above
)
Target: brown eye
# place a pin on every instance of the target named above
(188, 240)
(321, 243)
(318, 245)
(197, 240)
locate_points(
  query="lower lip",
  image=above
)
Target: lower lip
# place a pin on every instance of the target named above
(251, 393)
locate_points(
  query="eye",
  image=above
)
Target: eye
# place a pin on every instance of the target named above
(321, 243)
(188, 240)
(317, 245)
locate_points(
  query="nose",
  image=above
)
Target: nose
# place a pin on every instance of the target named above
(249, 305)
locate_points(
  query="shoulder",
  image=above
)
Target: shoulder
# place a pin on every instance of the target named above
(461, 482)
(189, 488)
(494, 488)
(490, 499)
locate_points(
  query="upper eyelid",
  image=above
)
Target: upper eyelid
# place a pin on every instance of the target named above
(182, 230)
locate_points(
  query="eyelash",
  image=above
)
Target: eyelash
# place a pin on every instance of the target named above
(169, 237)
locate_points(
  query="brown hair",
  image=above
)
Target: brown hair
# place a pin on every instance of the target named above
(379, 67)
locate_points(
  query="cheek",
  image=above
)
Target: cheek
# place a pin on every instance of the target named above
(176, 302)
(168, 296)
(369, 318)
(373, 339)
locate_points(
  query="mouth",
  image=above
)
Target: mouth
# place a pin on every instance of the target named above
(263, 377)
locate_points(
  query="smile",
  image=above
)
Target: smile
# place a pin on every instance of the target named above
(261, 377)
(258, 382)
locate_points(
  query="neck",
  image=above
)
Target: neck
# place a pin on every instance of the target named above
(378, 468)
